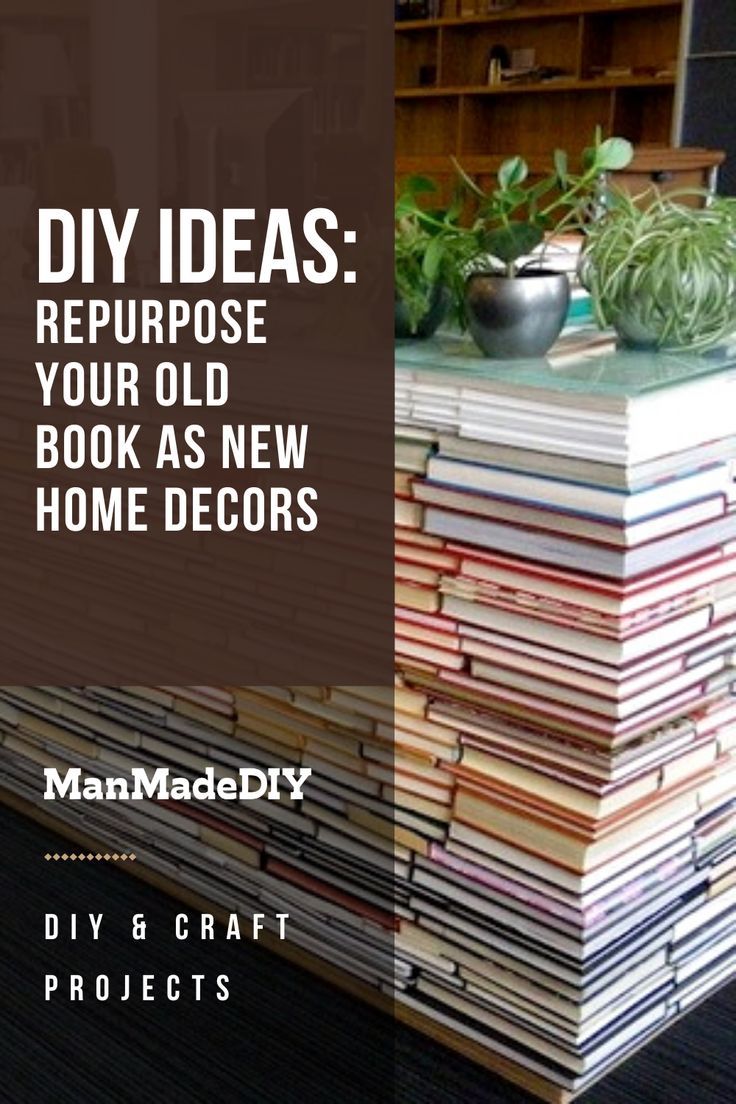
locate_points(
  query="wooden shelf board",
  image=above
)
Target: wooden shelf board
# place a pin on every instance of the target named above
(541, 11)
(646, 159)
(476, 164)
(572, 85)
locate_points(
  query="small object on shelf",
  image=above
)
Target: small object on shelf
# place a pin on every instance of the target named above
(490, 7)
(611, 71)
(524, 58)
(427, 76)
(498, 61)
(405, 10)
(552, 73)
(520, 76)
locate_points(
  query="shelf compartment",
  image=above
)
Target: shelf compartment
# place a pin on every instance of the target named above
(637, 40)
(539, 12)
(427, 125)
(526, 124)
(645, 118)
(466, 49)
(414, 56)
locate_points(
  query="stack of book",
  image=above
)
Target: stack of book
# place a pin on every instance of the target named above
(526, 845)
(584, 893)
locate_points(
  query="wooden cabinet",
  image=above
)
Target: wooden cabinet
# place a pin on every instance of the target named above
(607, 62)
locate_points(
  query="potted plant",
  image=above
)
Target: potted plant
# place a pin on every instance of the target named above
(663, 273)
(514, 307)
(428, 246)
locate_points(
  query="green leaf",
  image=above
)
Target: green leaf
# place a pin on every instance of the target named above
(515, 196)
(508, 243)
(433, 259)
(513, 172)
(405, 206)
(504, 202)
(614, 154)
(541, 188)
(560, 162)
(418, 185)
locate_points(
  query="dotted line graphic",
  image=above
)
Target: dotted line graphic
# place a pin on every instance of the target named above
(114, 857)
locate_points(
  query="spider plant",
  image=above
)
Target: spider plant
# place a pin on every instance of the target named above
(664, 273)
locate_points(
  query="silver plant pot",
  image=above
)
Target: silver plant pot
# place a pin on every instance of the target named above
(519, 317)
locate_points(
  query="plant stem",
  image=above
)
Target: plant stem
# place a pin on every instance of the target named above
(580, 184)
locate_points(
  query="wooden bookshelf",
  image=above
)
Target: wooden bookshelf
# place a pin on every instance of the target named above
(615, 64)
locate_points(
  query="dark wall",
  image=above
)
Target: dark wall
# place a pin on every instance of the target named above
(709, 118)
